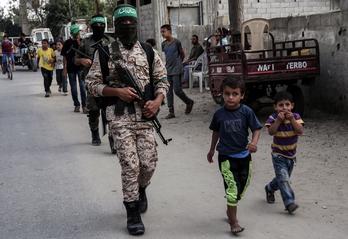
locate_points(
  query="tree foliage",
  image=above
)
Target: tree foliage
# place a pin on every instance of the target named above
(7, 25)
(55, 13)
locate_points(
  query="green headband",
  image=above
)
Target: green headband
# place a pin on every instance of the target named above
(97, 20)
(74, 29)
(125, 10)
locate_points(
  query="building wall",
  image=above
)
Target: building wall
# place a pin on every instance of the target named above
(279, 8)
(146, 22)
(330, 91)
(284, 8)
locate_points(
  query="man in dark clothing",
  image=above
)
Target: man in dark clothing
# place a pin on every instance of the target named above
(196, 51)
(174, 57)
(98, 27)
(73, 70)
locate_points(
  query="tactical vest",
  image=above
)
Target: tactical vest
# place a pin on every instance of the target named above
(149, 89)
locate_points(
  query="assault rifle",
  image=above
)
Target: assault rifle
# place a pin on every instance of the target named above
(128, 80)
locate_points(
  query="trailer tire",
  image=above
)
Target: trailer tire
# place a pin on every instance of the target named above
(219, 100)
(255, 106)
(34, 65)
(298, 96)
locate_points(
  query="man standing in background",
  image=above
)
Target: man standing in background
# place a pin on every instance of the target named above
(174, 58)
(98, 27)
(72, 70)
(196, 51)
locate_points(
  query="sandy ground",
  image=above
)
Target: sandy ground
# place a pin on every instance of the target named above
(54, 184)
(319, 179)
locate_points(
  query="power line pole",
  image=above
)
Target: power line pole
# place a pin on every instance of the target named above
(23, 17)
(70, 9)
(235, 14)
(160, 17)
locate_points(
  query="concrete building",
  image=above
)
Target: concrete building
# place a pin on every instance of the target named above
(325, 20)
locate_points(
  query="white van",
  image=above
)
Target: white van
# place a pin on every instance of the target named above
(38, 34)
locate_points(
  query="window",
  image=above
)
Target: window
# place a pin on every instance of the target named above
(46, 35)
(38, 36)
(185, 15)
(335, 4)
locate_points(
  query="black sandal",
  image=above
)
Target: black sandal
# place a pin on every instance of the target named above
(236, 232)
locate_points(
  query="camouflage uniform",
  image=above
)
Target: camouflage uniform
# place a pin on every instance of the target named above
(93, 108)
(135, 140)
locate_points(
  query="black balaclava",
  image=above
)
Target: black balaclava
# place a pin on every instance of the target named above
(126, 33)
(98, 30)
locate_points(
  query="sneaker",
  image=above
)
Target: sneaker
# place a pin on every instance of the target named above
(291, 208)
(77, 109)
(170, 116)
(84, 110)
(269, 195)
(65, 93)
(47, 94)
(189, 107)
(60, 89)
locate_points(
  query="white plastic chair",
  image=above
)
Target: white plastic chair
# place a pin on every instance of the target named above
(201, 74)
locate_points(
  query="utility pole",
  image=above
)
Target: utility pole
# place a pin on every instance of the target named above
(70, 10)
(23, 17)
(235, 14)
(160, 17)
(137, 6)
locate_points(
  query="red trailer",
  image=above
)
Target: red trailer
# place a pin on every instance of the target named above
(267, 67)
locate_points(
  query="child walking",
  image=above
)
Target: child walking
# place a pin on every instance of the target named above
(61, 80)
(230, 127)
(46, 60)
(285, 127)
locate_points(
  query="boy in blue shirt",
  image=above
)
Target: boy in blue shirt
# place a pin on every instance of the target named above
(230, 127)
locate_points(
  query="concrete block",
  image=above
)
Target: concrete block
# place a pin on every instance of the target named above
(247, 5)
(284, 14)
(285, 4)
(276, 5)
(293, 4)
(345, 19)
(314, 21)
(297, 22)
(252, 10)
(279, 23)
(261, 5)
(274, 10)
(261, 10)
(325, 20)
(275, 15)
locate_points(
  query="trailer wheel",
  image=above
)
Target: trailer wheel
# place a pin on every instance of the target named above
(298, 96)
(255, 106)
(34, 65)
(218, 100)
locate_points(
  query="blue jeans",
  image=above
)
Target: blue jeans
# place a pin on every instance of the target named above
(9, 55)
(73, 85)
(283, 168)
(187, 71)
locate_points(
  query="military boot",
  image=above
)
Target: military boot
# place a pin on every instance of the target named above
(142, 200)
(135, 225)
(95, 137)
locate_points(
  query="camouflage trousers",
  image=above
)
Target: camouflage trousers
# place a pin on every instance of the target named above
(93, 112)
(136, 150)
